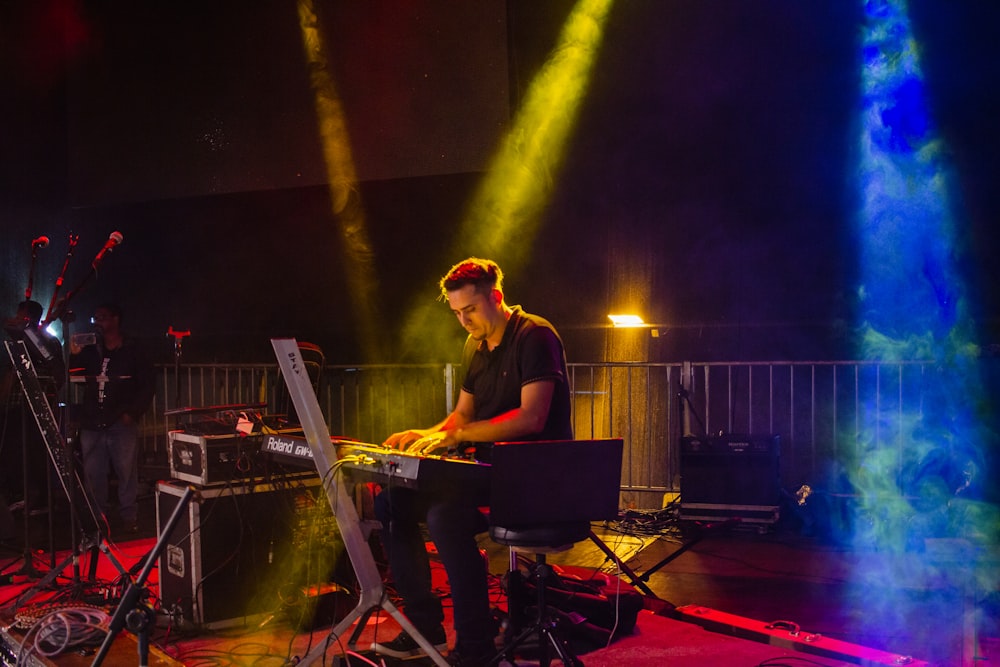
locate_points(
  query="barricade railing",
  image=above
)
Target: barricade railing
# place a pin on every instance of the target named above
(819, 408)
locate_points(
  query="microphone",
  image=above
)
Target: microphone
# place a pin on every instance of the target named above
(40, 242)
(109, 245)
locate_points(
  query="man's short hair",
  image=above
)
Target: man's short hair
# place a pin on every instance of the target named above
(484, 274)
(113, 309)
(33, 309)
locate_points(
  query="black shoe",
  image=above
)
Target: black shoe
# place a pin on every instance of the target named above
(405, 647)
(472, 654)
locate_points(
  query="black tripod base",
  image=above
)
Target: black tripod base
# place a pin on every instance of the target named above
(28, 570)
(541, 639)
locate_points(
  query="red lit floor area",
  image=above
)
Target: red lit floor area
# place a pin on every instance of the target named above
(732, 596)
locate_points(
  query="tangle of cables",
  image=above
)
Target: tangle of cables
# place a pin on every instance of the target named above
(57, 632)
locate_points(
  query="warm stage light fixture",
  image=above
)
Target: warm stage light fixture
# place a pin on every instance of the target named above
(624, 321)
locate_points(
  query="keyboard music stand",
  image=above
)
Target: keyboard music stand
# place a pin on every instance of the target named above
(372, 595)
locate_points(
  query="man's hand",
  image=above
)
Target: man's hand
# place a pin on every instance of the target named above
(404, 439)
(438, 442)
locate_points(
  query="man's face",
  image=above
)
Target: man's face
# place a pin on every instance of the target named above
(478, 313)
(104, 321)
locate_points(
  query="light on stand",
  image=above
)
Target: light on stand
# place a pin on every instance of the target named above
(626, 320)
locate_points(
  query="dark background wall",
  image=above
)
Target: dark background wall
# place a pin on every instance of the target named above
(708, 184)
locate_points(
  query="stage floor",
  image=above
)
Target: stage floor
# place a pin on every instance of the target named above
(708, 596)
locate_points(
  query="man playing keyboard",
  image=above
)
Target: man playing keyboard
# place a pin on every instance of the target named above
(515, 387)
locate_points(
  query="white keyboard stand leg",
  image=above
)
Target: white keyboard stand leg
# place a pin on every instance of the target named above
(369, 580)
(372, 595)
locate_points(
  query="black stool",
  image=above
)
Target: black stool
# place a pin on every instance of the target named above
(539, 541)
(543, 497)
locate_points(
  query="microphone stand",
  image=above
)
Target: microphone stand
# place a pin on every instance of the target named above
(685, 398)
(50, 313)
(684, 401)
(31, 270)
(133, 610)
(28, 565)
(57, 309)
(179, 337)
(61, 307)
(67, 318)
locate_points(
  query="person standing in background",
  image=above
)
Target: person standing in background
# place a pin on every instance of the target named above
(119, 389)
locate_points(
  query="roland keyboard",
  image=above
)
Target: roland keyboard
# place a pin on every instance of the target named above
(391, 467)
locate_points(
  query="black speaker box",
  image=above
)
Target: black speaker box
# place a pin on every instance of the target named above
(239, 551)
(730, 475)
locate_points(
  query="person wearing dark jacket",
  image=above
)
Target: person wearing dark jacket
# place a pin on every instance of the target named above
(119, 389)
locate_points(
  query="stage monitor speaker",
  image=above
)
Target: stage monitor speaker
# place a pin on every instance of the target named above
(730, 471)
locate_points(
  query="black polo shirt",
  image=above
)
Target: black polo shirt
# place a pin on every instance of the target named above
(530, 350)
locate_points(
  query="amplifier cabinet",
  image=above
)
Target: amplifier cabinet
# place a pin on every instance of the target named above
(730, 476)
(240, 551)
(211, 459)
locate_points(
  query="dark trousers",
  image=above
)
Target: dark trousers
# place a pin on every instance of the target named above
(453, 526)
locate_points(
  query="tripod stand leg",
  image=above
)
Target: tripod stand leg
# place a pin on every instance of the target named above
(637, 581)
(28, 566)
(135, 595)
(41, 583)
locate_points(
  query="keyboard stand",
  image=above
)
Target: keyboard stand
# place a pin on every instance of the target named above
(372, 595)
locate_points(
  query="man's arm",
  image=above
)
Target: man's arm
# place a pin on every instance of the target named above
(462, 414)
(527, 419)
(404, 439)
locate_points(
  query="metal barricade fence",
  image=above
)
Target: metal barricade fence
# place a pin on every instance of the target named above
(819, 408)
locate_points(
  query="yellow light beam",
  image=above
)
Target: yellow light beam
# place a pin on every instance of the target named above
(345, 202)
(506, 208)
(504, 213)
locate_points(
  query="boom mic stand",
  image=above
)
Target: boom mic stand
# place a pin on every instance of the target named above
(50, 313)
(133, 611)
(56, 310)
(67, 318)
(59, 309)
